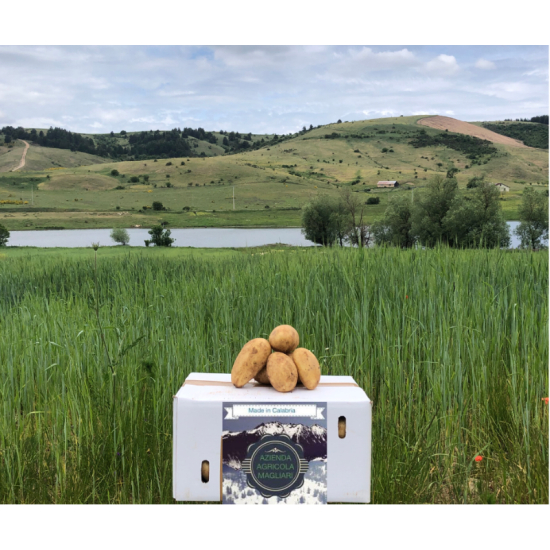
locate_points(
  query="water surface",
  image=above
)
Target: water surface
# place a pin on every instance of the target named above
(219, 237)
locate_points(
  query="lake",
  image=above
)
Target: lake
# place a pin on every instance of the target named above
(220, 237)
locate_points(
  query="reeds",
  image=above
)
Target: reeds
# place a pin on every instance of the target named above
(451, 346)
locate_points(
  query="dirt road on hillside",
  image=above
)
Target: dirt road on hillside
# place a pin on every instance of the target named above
(459, 127)
(22, 163)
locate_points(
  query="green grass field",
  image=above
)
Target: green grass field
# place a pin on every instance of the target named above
(286, 175)
(451, 346)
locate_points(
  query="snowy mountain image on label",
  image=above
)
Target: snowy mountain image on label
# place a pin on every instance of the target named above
(271, 459)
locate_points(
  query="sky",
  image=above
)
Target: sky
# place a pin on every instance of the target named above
(264, 89)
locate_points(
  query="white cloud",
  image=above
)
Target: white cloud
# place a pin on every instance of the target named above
(443, 65)
(485, 64)
(262, 88)
(369, 59)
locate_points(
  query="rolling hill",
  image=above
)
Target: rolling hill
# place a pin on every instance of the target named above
(271, 183)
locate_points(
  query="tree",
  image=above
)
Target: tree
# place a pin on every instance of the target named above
(533, 214)
(354, 207)
(430, 211)
(477, 221)
(158, 205)
(114, 172)
(160, 236)
(339, 121)
(4, 235)
(319, 220)
(474, 182)
(120, 235)
(395, 227)
(452, 172)
(373, 200)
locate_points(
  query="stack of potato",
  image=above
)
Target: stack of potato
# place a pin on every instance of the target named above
(278, 362)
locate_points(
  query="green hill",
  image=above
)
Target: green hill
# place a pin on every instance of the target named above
(271, 183)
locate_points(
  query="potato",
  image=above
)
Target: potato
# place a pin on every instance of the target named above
(262, 378)
(309, 372)
(284, 338)
(282, 372)
(251, 360)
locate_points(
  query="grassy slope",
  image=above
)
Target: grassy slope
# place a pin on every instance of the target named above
(41, 158)
(261, 179)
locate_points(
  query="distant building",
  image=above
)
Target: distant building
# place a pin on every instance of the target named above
(388, 184)
(502, 188)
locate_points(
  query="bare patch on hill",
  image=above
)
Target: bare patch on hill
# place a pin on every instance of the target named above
(64, 182)
(460, 127)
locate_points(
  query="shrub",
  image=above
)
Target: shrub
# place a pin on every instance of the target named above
(118, 207)
(120, 187)
(384, 150)
(373, 200)
(114, 172)
(134, 179)
(168, 164)
(4, 235)
(158, 205)
(186, 208)
(160, 236)
(474, 182)
(266, 206)
(182, 163)
(168, 184)
(120, 235)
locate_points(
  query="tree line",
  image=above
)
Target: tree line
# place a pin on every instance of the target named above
(533, 135)
(438, 215)
(141, 145)
(54, 137)
(474, 148)
(543, 119)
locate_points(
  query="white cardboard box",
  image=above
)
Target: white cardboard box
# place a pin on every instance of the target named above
(198, 432)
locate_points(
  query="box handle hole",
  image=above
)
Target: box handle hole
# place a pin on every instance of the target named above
(205, 471)
(342, 427)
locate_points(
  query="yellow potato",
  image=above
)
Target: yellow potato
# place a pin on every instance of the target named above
(309, 371)
(282, 372)
(262, 378)
(251, 360)
(284, 338)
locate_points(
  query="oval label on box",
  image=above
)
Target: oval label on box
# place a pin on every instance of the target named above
(275, 465)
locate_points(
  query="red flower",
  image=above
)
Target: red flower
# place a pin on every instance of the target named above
(406, 297)
(545, 399)
(478, 458)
